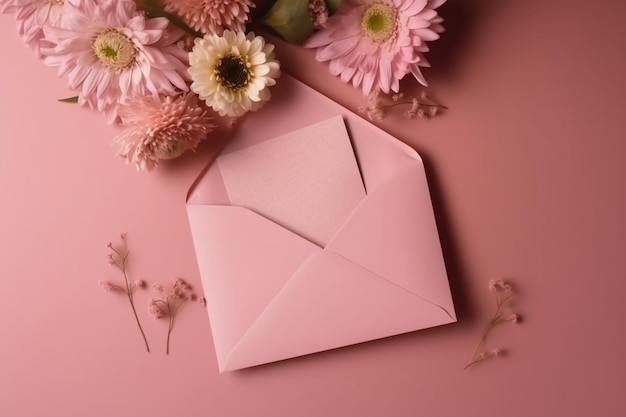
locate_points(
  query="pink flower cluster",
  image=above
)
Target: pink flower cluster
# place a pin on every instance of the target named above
(166, 306)
(144, 71)
(169, 303)
(131, 67)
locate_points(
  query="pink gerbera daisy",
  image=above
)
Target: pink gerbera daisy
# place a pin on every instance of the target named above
(211, 16)
(375, 43)
(110, 52)
(32, 15)
(161, 128)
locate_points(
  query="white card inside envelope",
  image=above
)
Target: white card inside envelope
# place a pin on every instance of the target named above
(308, 181)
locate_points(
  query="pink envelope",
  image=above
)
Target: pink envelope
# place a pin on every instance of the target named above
(272, 294)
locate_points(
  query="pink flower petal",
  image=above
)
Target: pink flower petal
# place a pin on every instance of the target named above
(375, 64)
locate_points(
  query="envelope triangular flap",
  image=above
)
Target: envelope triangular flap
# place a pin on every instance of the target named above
(402, 244)
(235, 295)
(328, 303)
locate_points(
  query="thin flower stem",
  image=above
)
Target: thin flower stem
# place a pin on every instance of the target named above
(501, 300)
(129, 293)
(132, 305)
(475, 361)
(398, 103)
(495, 319)
(169, 329)
(482, 340)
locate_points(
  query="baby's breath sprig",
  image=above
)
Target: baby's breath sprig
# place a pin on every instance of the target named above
(503, 292)
(422, 106)
(118, 258)
(169, 304)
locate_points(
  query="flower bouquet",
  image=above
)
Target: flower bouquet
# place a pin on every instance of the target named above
(164, 70)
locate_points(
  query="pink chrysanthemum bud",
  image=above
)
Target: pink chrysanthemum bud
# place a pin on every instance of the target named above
(161, 127)
(210, 16)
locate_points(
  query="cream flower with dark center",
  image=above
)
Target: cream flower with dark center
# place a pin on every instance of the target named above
(379, 22)
(232, 73)
(114, 49)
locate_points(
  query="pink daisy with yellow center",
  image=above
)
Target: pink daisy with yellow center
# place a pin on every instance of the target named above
(375, 43)
(110, 52)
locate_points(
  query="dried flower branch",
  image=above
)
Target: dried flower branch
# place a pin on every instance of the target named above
(169, 304)
(503, 292)
(422, 106)
(119, 259)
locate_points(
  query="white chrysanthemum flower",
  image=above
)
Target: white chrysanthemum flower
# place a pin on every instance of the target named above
(232, 72)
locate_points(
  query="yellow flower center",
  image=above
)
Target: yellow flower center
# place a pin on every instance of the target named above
(114, 49)
(379, 22)
(233, 72)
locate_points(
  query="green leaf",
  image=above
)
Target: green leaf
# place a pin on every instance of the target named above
(333, 5)
(290, 19)
(69, 100)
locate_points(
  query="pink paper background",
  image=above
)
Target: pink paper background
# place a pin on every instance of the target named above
(526, 172)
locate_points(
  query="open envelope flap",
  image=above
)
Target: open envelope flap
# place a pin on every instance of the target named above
(295, 105)
(393, 233)
(331, 302)
(244, 261)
